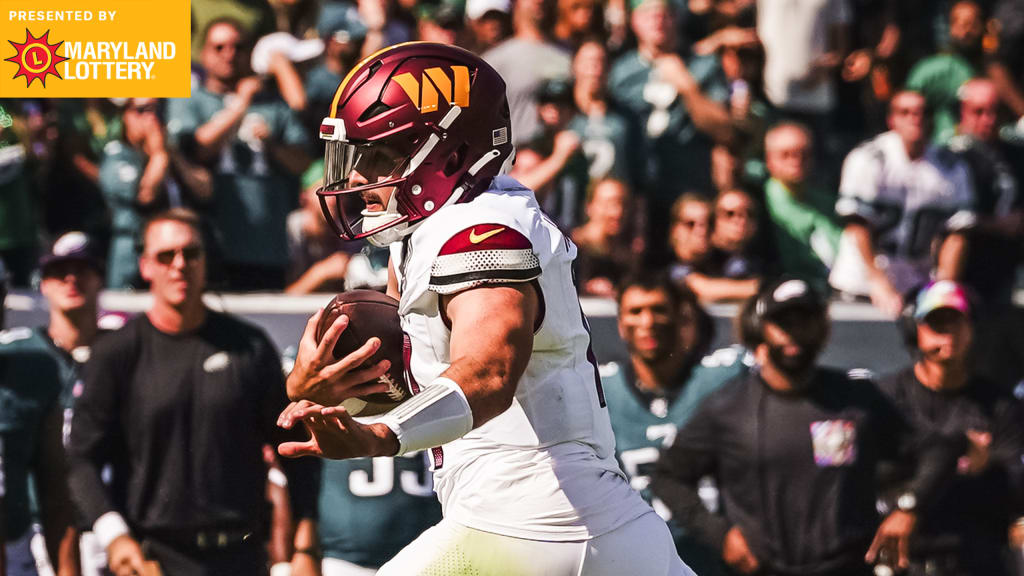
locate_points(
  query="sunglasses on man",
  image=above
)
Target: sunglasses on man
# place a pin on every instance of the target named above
(189, 253)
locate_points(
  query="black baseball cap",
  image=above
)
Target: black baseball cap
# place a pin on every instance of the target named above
(555, 91)
(787, 294)
(72, 247)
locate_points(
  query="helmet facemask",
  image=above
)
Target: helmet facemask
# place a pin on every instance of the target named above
(352, 172)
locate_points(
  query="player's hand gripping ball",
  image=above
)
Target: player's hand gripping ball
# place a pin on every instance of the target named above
(370, 313)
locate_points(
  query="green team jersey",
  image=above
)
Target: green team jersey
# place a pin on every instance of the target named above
(37, 340)
(370, 508)
(608, 144)
(252, 195)
(678, 155)
(644, 424)
(30, 389)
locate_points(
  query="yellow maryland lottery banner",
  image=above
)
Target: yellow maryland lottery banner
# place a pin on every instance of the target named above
(94, 48)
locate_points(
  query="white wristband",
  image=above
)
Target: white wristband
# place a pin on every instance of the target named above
(435, 416)
(109, 527)
(281, 569)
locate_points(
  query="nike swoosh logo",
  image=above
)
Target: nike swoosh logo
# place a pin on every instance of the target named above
(476, 239)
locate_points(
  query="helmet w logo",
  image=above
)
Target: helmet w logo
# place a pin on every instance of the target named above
(423, 91)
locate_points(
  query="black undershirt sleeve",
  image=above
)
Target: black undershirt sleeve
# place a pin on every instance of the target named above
(691, 457)
(94, 432)
(936, 454)
(1007, 452)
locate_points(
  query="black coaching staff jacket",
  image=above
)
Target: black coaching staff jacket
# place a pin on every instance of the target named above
(182, 420)
(795, 470)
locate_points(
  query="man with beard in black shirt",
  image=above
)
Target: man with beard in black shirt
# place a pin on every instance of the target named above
(181, 401)
(965, 531)
(793, 449)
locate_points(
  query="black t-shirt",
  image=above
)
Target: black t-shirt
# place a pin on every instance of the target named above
(973, 509)
(182, 419)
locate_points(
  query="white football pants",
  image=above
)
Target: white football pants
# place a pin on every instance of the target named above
(641, 547)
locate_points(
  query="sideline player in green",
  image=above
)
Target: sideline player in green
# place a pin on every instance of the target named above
(31, 452)
(370, 508)
(667, 335)
(71, 280)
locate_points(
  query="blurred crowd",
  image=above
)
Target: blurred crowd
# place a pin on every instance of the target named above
(866, 146)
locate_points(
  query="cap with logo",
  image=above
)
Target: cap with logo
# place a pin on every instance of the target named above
(72, 247)
(783, 295)
(941, 294)
(555, 91)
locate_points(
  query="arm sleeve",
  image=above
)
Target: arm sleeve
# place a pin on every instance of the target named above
(95, 433)
(303, 473)
(691, 456)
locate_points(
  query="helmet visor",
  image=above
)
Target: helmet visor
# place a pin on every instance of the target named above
(347, 165)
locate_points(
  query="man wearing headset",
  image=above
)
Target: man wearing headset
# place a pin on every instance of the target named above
(965, 531)
(793, 449)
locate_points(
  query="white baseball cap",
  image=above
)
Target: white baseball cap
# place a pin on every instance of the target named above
(475, 9)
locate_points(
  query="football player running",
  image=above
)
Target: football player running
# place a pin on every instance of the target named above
(507, 394)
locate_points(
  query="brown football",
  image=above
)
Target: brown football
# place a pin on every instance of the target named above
(370, 313)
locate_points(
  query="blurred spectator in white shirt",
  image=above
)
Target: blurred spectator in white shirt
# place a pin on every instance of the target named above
(906, 205)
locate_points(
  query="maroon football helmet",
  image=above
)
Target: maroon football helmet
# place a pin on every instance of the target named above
(429, 120)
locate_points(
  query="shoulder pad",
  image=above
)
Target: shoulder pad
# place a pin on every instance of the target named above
(483, 254)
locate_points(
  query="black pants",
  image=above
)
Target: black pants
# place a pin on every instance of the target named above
(238, 560)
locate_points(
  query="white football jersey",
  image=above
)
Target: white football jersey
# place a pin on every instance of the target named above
(907, 203)
(545, 469)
